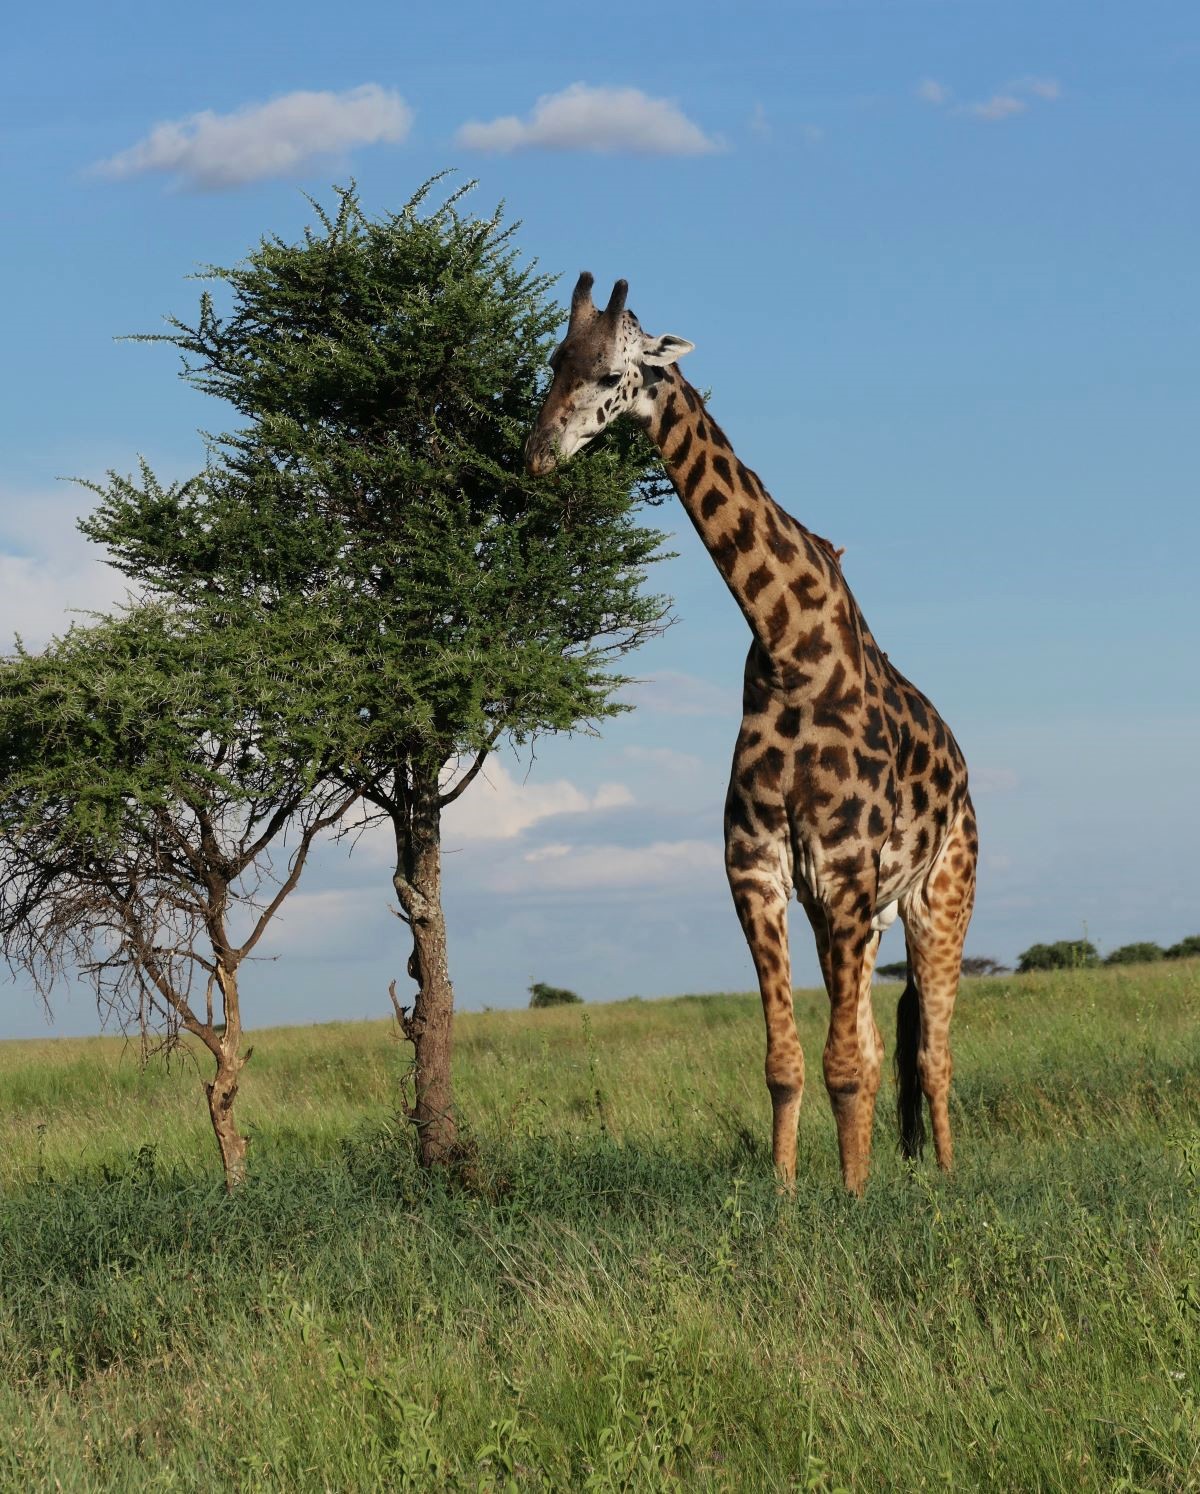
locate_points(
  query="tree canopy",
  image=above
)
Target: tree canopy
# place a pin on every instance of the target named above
(384, 372)
(1065, 954)
(150, 767)
(1140, 953)
(541, 994)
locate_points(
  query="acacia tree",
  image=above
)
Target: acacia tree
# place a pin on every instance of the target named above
(1064, 954)
(150, 766)
(385, 372)
(1141, 953)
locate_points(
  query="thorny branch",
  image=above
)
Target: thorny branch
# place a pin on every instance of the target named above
(473, 771)
(144, 917)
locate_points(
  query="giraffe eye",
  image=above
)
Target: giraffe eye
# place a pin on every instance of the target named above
(609, 380)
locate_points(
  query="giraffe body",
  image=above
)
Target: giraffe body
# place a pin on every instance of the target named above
(847, 788)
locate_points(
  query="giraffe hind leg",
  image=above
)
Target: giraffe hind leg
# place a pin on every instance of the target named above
(935, 917)
(870, 1047)
(910, 1111)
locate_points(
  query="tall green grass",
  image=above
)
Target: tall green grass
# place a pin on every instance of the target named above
(615, 1297)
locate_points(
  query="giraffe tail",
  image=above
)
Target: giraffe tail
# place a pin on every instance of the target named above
(909, 1108)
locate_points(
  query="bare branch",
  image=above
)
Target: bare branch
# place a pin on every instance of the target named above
(308, 835)
(473, 771)
(405, 1023)
(275, 824)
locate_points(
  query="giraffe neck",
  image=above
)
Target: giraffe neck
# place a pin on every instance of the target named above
(786, 580)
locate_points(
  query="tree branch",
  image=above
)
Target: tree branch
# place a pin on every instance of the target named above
(473, 771)
(308, 835)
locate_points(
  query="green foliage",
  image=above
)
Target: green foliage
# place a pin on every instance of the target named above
(635, 1307)
(1066, 954)
(386, 371)
(1185, 949)
(540, 994)
(159, 706)
(982, 965)
(897, 970)
(1134, 954)
(147, 764)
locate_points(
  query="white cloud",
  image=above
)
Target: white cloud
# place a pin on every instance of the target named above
(321, 924)
(605, 120)
(930, 91)
(608, 867)
(495, 807)
(611, 796)
(999, 106)
(1005, 103)
(1040, 88)
(548, 853)
(498, 807)
(48, 569)
(210, 151)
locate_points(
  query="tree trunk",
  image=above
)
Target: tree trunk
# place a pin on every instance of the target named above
(222, 1092)
(418, 883)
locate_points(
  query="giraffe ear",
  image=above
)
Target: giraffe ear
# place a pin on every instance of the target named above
(659, 351)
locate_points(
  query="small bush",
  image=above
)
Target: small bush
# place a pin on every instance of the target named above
(982, 965)
(1184, 949)
(540, 994)
(1135, 954)
(898, 970)
(1066, 954)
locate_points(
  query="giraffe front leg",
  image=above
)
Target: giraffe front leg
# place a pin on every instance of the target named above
(853, 1109)
(762, 904)
(853, 1057)
(870, 1047)
(845, 1073)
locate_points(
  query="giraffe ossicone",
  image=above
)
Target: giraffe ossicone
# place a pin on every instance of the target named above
(847, 787)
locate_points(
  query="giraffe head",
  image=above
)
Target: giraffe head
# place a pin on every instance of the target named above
(602, 369)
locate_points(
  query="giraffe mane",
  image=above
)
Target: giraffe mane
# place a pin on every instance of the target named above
(835, 553)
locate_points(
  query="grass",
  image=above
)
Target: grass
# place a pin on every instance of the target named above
(620, 1300)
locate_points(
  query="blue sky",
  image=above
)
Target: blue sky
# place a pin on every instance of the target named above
(938, 261)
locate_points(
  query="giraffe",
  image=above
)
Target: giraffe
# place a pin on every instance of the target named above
(846, 786)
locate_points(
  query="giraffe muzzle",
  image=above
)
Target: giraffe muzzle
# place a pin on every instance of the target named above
(540, 456)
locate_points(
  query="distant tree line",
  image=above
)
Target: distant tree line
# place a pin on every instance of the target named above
(971, 965)
(1063, 954)
(1082, 954)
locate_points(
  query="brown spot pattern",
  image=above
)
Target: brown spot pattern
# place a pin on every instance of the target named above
(841, 763)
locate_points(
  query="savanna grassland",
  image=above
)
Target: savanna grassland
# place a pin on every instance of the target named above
(613, 1296)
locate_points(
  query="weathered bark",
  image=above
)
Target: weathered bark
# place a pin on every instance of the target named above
(418, 883)
(222, 1091)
